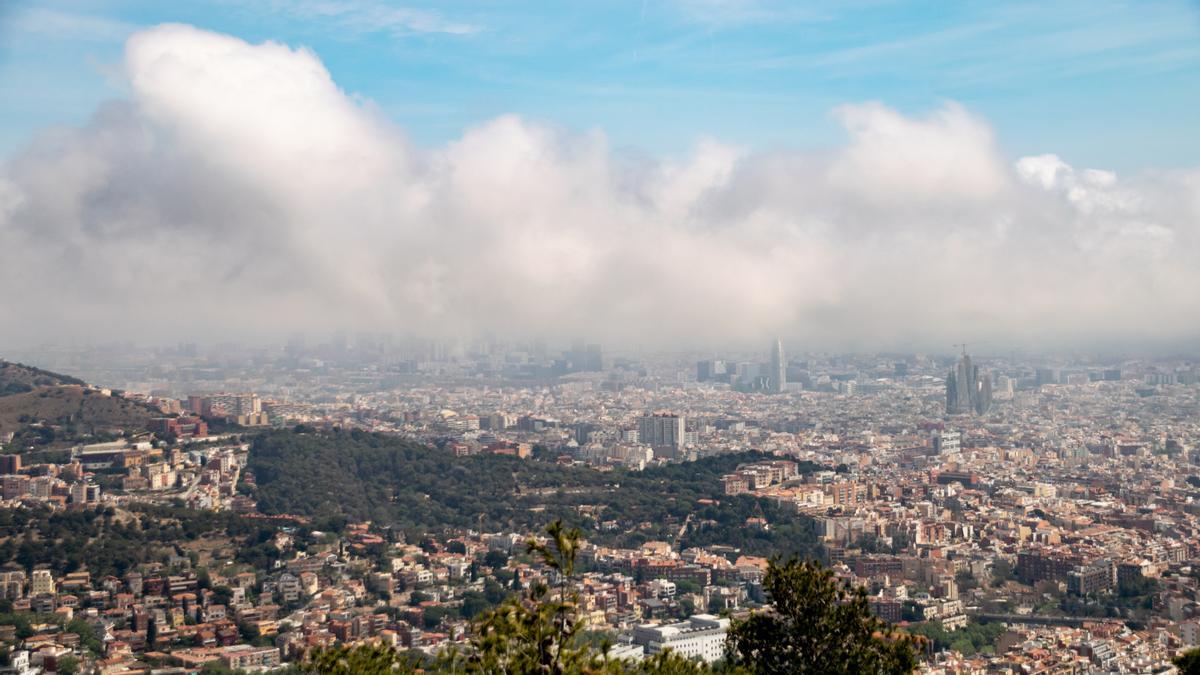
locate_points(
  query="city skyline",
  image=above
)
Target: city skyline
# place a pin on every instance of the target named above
(1077, 486)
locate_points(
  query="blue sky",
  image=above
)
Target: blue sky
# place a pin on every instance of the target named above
(1103, 84)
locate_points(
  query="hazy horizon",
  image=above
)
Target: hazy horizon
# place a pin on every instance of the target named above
(373, 345)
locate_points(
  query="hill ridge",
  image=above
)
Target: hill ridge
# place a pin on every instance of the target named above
(42, 408)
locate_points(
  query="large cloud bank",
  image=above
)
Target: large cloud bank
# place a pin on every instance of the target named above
(239, 192)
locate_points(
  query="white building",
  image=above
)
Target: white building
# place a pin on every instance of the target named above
(1189, 632)
(18, 664)
(662, 588)
(626, 652)
(41, 583)
(699, 637)
(947, 442)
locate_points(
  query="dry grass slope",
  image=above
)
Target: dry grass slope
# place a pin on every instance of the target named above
(29, 395)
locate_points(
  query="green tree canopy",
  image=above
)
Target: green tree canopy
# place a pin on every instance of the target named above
(816, 625)
(368, 659)
(1188, 662)
(68, 665)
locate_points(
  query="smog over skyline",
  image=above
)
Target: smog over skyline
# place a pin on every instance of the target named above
(230, 186)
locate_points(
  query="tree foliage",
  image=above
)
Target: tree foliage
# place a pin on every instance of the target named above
(367, 659)
(969, 641)
(817, 625)
(542, 632)
(105, 542)
(1188, 662)
(339, 475)
(536, 633)
(68, 665)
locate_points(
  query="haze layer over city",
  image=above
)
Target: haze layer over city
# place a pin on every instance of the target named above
(681, 337)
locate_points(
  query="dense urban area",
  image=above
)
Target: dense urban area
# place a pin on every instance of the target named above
(229, 508)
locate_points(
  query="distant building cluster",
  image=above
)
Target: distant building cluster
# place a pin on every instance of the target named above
(1049, 502)
(54, 485)
(242, 409)
(967, 389)
(751, 477)
(750, 376)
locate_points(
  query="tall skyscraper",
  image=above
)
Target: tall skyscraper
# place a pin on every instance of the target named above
(711, 369)
(778, 368)
(1046, 376)
(585, 357)
(964, 378)
(662, 430)
(983, 402)
(967, 390)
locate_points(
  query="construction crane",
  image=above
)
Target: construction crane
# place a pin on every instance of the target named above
(965, 344)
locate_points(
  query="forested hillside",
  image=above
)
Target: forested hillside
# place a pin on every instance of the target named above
(338, 475)
(115, 541)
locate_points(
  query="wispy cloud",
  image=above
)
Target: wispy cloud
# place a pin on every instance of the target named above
(46, 23)
(373, 16)
(736, 12)
(992, 45)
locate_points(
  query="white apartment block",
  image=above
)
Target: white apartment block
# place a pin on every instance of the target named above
(701, 636)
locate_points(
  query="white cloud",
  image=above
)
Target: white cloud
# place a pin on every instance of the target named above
(240, 192)
(949, 156)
